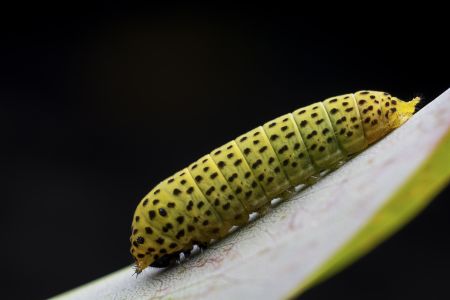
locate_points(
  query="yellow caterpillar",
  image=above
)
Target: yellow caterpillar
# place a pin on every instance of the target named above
(203, 201)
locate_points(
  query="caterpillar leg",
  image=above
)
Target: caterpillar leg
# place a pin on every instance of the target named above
(263, 209)
(312, 180)
(166, 260)
(340, 163)
(201, 245)
(287, 194)
(187, 253)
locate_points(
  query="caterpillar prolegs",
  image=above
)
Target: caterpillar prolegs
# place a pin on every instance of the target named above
(203, 201)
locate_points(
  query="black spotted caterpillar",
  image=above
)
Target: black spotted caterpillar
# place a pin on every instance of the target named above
(203, 201)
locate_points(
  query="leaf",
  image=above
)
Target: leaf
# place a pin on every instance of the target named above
(310, 237)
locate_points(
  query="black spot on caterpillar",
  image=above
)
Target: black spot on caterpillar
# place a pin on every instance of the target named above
(203, 201)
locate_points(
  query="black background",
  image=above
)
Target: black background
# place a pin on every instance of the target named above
(100, 103)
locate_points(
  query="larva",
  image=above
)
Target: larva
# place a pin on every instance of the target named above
(203, 201)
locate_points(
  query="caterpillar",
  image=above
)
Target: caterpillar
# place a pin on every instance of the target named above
(202, 202)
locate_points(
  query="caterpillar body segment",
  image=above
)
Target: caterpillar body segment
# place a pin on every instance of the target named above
(202, 202)
(290, 149)
(372, 116)
(345, 118)
(265, 166)
(218, 193)
(238, 173)
(318, 134)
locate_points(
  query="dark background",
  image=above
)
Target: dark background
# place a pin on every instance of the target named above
(99, 103)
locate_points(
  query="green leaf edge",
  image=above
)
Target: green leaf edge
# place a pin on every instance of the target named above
(412, 197)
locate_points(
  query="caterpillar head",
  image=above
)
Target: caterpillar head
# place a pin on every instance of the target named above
(398, 111)
(148, 246)
(143, 260)
(142, 253)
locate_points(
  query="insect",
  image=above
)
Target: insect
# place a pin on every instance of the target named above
(204, 201)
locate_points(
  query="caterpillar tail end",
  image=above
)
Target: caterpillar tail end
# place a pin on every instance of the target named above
(415, 101)
(404, 112)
